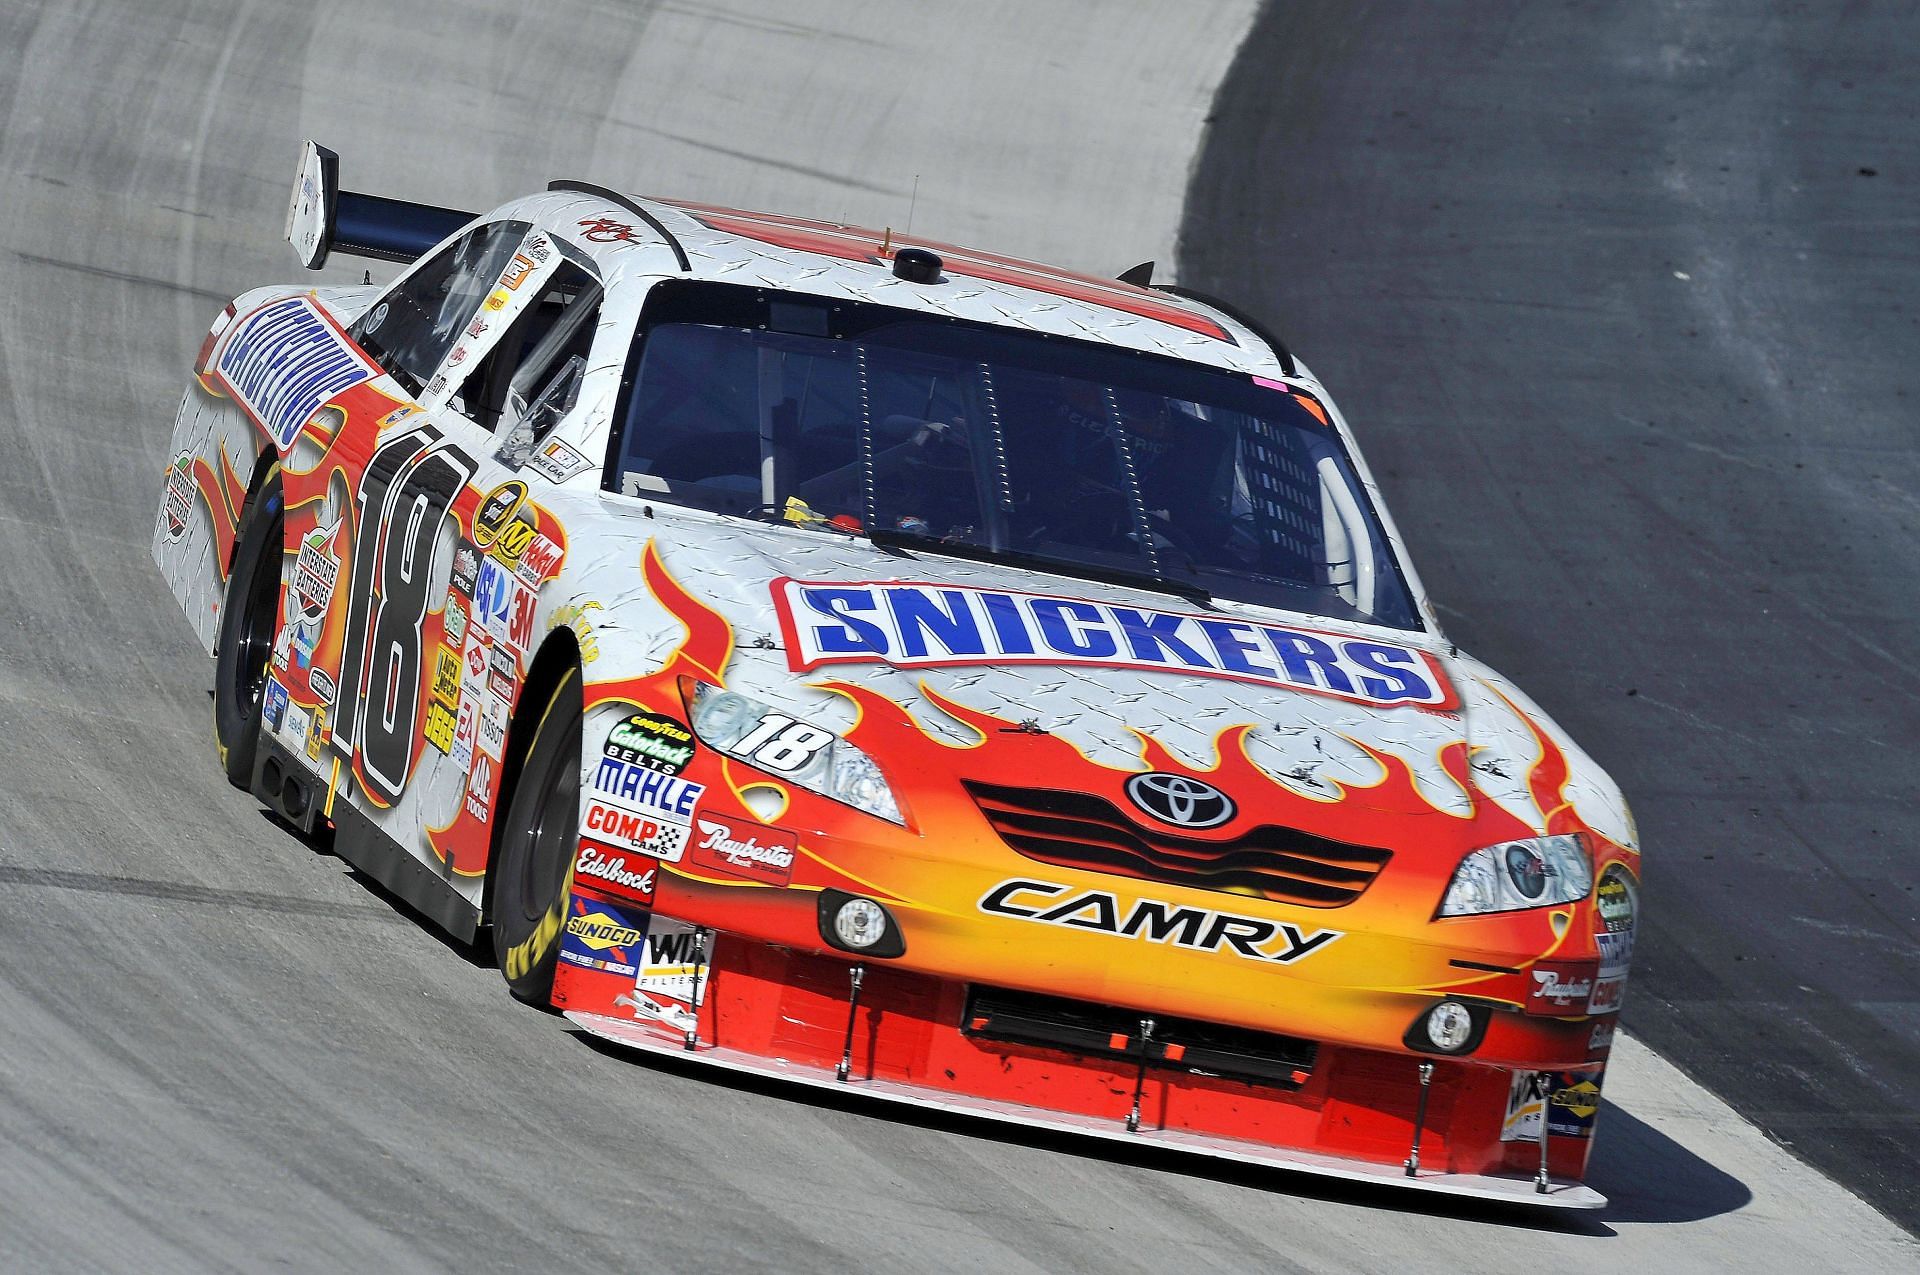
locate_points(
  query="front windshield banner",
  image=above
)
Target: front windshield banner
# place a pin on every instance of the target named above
(908, 624)
(1002, 444)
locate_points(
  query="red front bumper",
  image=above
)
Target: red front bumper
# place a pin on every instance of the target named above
(790, 1014)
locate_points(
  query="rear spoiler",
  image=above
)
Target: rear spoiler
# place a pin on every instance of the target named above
(322, 218)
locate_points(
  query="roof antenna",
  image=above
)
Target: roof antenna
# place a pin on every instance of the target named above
(911, 201)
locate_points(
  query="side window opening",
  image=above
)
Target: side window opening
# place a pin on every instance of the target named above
(410, 329)
(528, 381)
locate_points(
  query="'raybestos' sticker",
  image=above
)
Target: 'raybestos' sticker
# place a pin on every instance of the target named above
(909, 625)
(752, 851)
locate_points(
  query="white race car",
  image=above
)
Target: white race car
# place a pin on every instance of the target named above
(898, 667)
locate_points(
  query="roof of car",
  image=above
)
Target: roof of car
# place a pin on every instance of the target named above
(855, 263)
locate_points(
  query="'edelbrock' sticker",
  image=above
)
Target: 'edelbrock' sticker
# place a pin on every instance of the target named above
(911, 625)
(284, 361)
(612, 870)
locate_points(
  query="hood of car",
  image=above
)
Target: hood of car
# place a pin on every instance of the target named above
(1074, 710)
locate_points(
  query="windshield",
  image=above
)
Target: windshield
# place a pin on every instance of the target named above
(953, 437)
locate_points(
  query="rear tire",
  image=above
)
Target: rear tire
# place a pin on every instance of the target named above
(533, 869)
(249, 624)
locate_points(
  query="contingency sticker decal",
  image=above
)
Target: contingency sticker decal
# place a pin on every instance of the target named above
(603, 936)
(1613, 911)
(628, 877)
(177, 505)
(556, 462)
(1570, 1100)
(637, 800)
(744, 850)
(673, 975)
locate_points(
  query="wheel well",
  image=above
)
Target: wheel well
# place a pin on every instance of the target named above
(559, 652)
(263, 473)
(264, 470)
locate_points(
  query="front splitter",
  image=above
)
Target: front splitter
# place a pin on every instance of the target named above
(1508, 1190)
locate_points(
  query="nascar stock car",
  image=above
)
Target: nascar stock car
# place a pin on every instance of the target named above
(897, 668)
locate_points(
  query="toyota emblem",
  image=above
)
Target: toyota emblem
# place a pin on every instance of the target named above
(1178, 800)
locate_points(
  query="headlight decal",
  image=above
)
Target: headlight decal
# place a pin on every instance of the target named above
(1514, 876)
(782, 745)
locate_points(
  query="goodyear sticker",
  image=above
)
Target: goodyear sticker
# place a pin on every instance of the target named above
(652, 740)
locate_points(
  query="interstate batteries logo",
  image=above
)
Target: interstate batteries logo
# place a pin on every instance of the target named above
(910, 625)
(315, 572)
(177, 506)
(284, 361)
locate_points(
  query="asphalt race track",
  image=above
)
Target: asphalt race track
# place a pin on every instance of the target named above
(220, 1050)
(1623, 301)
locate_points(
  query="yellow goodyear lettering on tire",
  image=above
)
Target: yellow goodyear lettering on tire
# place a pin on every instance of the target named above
(523, 956)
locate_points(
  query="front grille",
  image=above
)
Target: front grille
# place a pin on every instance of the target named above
(1080, 830)
(1106, 1031)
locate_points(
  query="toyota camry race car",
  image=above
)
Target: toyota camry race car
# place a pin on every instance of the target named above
(898, 668)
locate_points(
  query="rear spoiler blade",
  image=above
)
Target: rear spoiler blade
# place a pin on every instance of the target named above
(322, 218)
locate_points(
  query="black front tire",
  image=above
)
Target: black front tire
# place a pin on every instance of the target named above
(249, 624)
(533, 868)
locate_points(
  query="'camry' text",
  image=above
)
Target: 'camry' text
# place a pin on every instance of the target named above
(1202, 929)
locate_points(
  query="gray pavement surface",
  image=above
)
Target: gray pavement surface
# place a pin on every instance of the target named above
(220, 1050)
(1622, 299)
